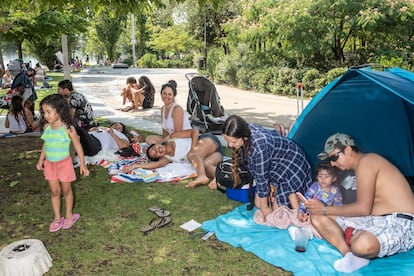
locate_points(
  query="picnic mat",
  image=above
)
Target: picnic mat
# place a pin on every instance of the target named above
(274, 246)
(172, 172)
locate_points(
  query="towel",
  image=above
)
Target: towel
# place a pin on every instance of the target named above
(282, 218)
(274, 246)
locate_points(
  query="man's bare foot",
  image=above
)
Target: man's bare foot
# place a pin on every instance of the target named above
(213, 184)
(201, 180)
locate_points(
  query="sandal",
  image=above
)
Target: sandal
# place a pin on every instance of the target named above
(156, 223)
(56, 225)
(68, 223)
(162, 213)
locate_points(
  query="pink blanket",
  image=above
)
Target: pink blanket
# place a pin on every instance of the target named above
(282, 218)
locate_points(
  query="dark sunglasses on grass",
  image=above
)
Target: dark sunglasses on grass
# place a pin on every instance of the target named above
(334, 157)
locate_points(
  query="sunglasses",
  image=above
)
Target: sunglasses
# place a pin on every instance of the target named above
(335, 157)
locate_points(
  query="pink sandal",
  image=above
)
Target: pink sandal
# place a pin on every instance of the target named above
(68, 223)
(56, 225)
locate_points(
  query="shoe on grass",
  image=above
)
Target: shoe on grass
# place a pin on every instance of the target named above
(160, 212)
(68, 223)
(156, 223)
(56, 225)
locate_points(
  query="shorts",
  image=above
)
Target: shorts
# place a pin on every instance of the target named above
(61, 170)
(394, 231)
(215, 140)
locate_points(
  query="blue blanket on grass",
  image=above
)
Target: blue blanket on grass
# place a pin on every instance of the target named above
(275, 247)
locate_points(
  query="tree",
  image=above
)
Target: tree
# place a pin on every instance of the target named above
(108, 29)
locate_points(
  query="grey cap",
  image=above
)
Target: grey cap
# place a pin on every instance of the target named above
(332, 141)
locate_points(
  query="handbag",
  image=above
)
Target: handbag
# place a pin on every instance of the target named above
(224, 178)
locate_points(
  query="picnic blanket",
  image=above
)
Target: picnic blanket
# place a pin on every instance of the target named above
(274, 246)
(172, 172)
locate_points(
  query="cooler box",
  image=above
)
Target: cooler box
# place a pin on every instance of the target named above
(241, 195)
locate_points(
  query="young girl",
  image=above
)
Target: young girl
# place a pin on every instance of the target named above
(19, 119)
(323, 189)
(55, 159)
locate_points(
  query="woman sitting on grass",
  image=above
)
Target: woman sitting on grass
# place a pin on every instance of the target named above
(204, 152)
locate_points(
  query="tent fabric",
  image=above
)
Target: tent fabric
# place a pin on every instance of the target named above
(375, 107)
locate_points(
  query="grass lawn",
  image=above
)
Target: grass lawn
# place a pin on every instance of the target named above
(106, 240)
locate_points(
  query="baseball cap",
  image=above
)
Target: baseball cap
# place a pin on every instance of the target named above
(333, 140)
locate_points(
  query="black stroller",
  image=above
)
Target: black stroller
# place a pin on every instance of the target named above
(203, 104)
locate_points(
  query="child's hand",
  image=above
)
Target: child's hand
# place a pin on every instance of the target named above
(84, 170)
(39, 166)
(303, 217)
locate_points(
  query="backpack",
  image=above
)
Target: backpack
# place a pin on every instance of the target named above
(224, 179)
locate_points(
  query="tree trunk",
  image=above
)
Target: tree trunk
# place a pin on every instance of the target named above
(1, 55)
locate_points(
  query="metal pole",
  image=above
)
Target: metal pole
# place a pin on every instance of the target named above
(299, 95)
(133, 39)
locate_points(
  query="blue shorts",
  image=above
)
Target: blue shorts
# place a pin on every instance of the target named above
(215, 139)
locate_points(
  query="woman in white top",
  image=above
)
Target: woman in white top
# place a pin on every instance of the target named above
(204, 152)
(7, 79)
(19, 119)
(40, 74)
(173, 117)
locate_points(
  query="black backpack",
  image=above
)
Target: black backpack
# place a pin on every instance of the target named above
(224, 179)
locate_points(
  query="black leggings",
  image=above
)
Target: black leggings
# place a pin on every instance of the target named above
(90, 144)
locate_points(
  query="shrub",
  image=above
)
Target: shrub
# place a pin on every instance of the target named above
(148, 61)
(128, 61)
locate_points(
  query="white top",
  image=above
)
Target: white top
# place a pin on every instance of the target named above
(16, 126)
(182, 147)
(107, 141)
(168, 123)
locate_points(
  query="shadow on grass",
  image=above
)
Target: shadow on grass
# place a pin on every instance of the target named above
(106, 239)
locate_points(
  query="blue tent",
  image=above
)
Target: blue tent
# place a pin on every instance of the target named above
(375, 107)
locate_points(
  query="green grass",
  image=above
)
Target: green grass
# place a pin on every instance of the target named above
(42, 92)
(106, 240)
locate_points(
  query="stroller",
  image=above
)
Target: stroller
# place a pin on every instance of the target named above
(203, 104)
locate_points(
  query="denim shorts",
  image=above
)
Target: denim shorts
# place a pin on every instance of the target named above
(215, 139)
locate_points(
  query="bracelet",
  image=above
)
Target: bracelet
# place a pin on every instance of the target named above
(324, 210)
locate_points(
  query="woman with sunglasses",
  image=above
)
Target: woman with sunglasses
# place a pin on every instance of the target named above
(273, 160)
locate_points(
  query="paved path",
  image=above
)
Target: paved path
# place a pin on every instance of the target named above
(102, 87)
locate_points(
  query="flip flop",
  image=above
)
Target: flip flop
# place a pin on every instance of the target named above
(68, 223)
(56, 225)
(156, 223)
(160, 212)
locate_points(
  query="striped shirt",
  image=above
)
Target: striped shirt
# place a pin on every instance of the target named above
(276, 160)
(57, 143)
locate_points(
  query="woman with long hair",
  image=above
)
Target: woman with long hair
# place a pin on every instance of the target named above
(273, 160)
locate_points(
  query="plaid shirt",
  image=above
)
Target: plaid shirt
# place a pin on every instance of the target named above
(276, 160)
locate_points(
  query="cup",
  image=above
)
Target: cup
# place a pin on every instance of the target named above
(302, 236)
